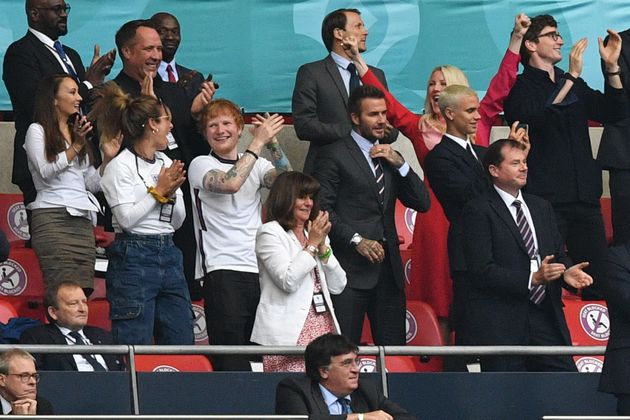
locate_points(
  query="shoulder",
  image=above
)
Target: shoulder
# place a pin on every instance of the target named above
(535, 201)
(301, 383)
(100, 333)
(199, 166)
(272, 227)
(37, 334)
(18, 45)
(34, 129)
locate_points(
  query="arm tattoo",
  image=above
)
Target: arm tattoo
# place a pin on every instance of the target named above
(278, 158)
(231, 181)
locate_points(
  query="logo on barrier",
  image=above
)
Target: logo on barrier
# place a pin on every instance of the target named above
(13, 278)
(595, 322)
(16, 220)
(410, 219)
(164, 368)
(589, 365)
(199, 327)
(367, 365)
(408, 271)
(411, 327)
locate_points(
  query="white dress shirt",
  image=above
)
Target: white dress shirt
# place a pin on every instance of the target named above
(82, 363)
(365, 145)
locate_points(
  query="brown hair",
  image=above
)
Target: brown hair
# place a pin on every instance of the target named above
(219, 107)
(288, 187)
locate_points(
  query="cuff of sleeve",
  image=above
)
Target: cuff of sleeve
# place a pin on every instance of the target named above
(404, 169)
(88, 84)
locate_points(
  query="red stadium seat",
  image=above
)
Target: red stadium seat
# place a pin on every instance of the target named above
(7, 311)
(20, 275)
(423, 329)
(393, 364)
(99, 314)
(199, 326)
(405, 219)
(589, 325)
(13, 219)
(172, 363)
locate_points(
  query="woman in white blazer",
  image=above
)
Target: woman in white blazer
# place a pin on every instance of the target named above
(297, 269)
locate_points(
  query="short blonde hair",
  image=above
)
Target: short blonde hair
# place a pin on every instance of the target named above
(452, 76)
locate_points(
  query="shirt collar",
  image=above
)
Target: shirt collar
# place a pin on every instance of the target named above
(329, 397)
(462, 142)
(364, 144)
(508, 198)
(341, 61)
(66, 331)
(45, 39)
(163, 65)
(6, 405)
(539, 74)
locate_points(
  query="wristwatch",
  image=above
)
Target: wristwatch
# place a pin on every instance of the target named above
(356, 239)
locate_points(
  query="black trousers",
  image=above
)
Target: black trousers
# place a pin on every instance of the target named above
(385, 305)
(619, 182)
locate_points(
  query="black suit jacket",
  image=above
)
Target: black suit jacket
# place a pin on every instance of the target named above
(349, 193)
(616, 287)
(320, 106)
(26, 62)
(190, 80)
(50, 334)
(499, 268)
(301, 395)
(456, 177)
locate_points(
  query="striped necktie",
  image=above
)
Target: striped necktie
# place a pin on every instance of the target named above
(537, 293)
(380, 181)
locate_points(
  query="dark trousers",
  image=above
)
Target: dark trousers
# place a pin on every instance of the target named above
(582, 228)
(543, 331)
(385, 306)
(619, 183)
(230, 302)
(623, 404)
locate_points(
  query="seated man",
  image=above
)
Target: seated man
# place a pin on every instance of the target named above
(18, 385)
(331, 387)
(67, 312)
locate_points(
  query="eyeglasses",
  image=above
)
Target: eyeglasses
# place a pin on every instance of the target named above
(555, 35)
(58, 9)
(349, 362)
(26, 377)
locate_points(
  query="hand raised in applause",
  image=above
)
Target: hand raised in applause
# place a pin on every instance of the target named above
(170, 179)
(265, 129)
(318, 228)
(610, 52)
(100, 66)
(146, 87)
(548, 271)
(520, 135)
(576, 277)
(80, 129)
(203, 98)
(576, 57)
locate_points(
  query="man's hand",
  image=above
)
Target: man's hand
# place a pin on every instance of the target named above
(373, 415)
(520, 135)
(576, 57)
(521, 24)
(576, 277)
(548, 271)
(372, 250)
(100, 66)
(265, 129)
(386, 152)
(24, 406)
(203, 98)
(610, 52)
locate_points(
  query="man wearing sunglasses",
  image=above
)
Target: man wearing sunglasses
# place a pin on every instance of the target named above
(36, 55)
(557, 105)
(18, 385)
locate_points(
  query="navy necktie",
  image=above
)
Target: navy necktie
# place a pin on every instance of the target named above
(354, 78)
(88, 357)
(64, 59)
(345, 405)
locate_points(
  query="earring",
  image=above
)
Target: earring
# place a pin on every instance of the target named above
(155, 130)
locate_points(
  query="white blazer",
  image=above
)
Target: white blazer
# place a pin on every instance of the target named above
(286, 285)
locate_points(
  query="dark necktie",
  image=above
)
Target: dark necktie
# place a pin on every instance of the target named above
(470, 150)
(88, 357)
(64, 59)
(171, 74)
(537, 293)
(345, 405)
(354, 78)
(380, 182)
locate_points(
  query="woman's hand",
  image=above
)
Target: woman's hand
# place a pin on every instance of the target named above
(170, 179)
(81, 128)
(111, 148)
(318, 229)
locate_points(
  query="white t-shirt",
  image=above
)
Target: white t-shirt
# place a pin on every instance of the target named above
(226, 224)
(134, 209)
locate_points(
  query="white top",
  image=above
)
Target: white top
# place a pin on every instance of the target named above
(134, 209)
(61, 183)
(82, 363)
(226, 224)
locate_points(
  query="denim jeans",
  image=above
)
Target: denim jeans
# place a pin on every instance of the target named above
(147, 291)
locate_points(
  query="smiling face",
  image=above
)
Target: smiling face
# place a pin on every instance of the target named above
(341, 376)
(511, 174)
(302, 209)
(168, 28)
(462, 119)
(546, 50)
(49, 17)
(437, 83)
(222, 133)
(371, 120)
(67, 99)
(143, 54)
(160, 127)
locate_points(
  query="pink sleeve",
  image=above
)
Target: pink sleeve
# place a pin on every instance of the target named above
(492, 104)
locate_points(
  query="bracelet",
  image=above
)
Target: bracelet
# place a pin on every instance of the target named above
(252, 153)
(159, 197)
(311, 249)
(326, 254)
(613, 73)
(75, 149)
(570, 77)
(360, 416)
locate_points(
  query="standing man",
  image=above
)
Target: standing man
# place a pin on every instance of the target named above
(516, 264)
(18, 385)
(557, 105)
(168, 27)
(67, 313)
(331, 388)
(360, 182)
(36, 55)
(322, 88)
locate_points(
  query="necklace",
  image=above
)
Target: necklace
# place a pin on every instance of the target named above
(138, 155)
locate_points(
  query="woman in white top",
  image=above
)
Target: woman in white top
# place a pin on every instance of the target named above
(298, 271)
(60, 159)
(146, 288)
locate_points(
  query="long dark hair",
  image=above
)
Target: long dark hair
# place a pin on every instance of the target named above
(44, 114)
(288, 187)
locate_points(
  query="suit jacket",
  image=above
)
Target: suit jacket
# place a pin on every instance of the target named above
(499, 269)
(615, 284)
(614, 148)
(26, 62)
(456, 177)
(50, 334)
(190, 80)
(349, 193)
(320, 106)
(301, 395)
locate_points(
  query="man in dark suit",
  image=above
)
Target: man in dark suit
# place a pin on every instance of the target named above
(67, 311)
(331, 388)
(322, 88)
(168, 27)
(18, 385)
(614, 154)
(516, 264)
(34, 56)
(360, 182)
(616, 288)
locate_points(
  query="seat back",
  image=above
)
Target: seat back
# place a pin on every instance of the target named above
(172, 363)
(7, 311)
(423, 329)
(13, 219)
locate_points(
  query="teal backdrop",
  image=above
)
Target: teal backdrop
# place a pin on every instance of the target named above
(254, 47)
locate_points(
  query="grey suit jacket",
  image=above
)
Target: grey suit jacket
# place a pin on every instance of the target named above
(320, 100)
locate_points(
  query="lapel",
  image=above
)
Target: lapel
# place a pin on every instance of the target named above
(318, 399)
(333, 71)
(44, 52)
(499, 207)
(463, 155)
(363, 167)
(58, 338)
(539, 220)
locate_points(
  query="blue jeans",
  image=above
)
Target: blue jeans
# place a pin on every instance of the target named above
(147, 291)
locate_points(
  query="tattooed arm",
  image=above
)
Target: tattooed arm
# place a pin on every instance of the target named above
(280, 163)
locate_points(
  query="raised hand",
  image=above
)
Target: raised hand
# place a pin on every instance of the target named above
(170, 179)
(520, 135)
(204, 97)
(576, 277)
(576, 57)
(548, 271)
(100, 66)
(610, 52)
(266, 128)
(146, 87)
(386, 152)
